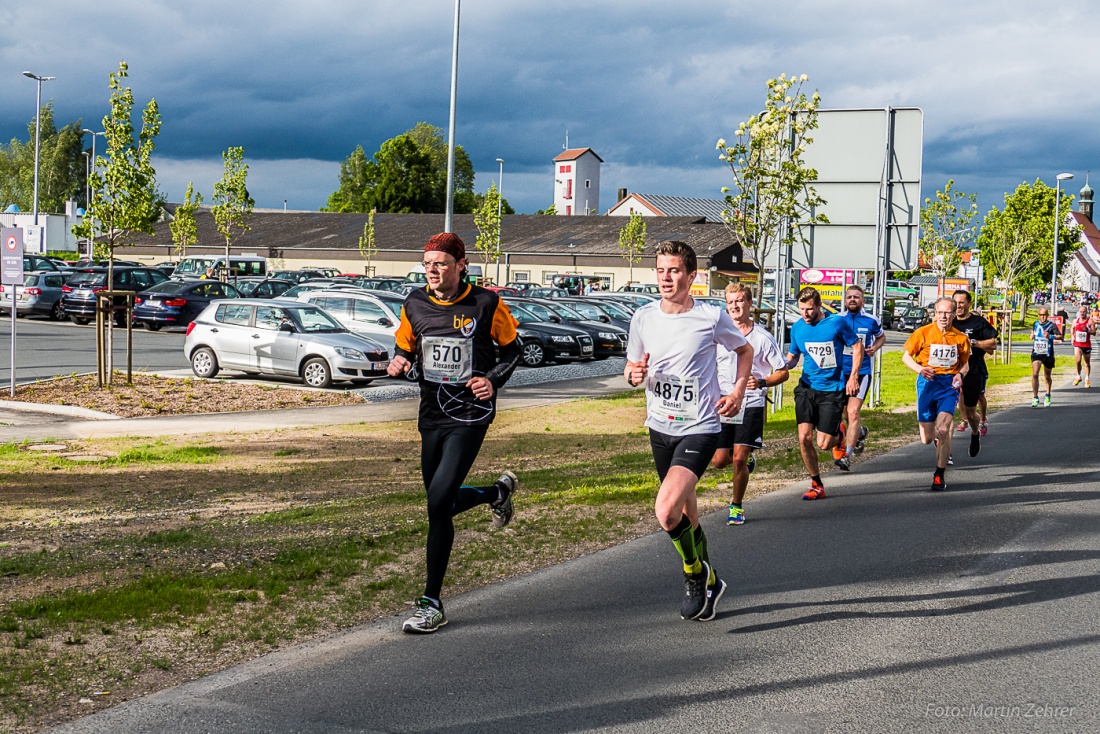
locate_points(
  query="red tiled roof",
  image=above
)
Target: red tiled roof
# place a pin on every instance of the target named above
(1089, 231)
(574, 153)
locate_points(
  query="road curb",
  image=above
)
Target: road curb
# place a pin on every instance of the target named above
(69, 410)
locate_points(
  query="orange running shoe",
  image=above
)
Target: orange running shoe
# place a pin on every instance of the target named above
(839, 452)
(816, 492)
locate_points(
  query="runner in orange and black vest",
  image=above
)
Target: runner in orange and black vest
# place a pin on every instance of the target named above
(449, 332)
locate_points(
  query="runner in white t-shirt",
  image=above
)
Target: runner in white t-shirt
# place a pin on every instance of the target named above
(744, 433)
(673, 351)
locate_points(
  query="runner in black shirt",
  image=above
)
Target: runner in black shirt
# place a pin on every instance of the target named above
(449, 330)
(983, 340)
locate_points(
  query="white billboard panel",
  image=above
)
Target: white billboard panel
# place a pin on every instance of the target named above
(868, 165)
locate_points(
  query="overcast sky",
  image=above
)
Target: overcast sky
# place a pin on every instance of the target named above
(1006, 86)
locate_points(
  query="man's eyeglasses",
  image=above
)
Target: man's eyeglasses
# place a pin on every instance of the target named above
(438, 265)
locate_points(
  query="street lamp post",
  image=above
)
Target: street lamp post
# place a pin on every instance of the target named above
(500, 201)
(37, 133)
(88, 213)
(1057, 201)
(449, 209)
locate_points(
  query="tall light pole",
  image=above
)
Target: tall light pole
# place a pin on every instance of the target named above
(37, 132)
(88, 213)
(1057, 201)
(448, 225)
(500, 201)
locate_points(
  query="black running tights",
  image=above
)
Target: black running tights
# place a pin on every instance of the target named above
(446, 456)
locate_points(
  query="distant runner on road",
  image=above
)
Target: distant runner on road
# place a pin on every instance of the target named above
(673, 351)
(450, 330)
(869, 329)
(821, 391)
(939, 354)
(744, 433)
(983, 340)
(1083, 330)
(1043, 333)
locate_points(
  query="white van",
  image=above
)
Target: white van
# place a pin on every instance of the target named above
(195, 266)
(417, 275)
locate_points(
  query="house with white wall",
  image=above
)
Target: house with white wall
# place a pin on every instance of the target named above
(1083, 269)
(577, 182)
(656, 205)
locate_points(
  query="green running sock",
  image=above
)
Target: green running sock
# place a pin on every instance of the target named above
(684, 539)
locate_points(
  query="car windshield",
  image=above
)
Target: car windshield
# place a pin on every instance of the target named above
(565, 312)
(617, 310)
(170, 286)
(588, 310)
(87, 279)
(522, 316)
(915, 312)
(313, 320)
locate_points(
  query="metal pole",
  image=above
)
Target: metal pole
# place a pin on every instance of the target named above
(37, 144)
(13, 341)
(448, 225)
(500, 203)
(91, 227)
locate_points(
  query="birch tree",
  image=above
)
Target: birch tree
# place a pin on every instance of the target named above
(946, 222)
(487, 221)
(772, 196)
(185, 232)
(232, 206)
(368, 247)
(632, 241)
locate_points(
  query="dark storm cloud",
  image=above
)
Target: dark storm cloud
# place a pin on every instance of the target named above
(649, 85)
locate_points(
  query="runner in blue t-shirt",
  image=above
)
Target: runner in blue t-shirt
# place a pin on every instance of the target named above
(819, 396)
(869, 330)
(1043, 333)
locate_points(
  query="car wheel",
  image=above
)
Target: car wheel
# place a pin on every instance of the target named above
(153, 327)
(317, 373)
(58, 313)
(204, 363)
(79, 320)
(533, 355)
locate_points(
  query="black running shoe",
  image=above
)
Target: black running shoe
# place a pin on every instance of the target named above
(938, 483)
(975, 444)
(714, 595)
(695, 593)
(844, 462)
(502, 508)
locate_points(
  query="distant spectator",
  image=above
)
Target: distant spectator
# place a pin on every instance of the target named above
(210, 274)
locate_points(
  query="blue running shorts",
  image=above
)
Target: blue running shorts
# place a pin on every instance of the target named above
(935, 396)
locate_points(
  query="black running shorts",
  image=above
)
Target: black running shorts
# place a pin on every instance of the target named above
(1046, 359)
(750, 432)
(973, 387)
(692, 452)
(822, 409)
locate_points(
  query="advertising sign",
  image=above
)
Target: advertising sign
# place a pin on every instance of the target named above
(829, 283)
(11, 256)
(701, 285)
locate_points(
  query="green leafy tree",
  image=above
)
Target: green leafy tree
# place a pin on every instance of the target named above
(1017, 243)
(368, 246)
(487, 221)
(632, 241)
(232, 206)
(773, 196)
(185, 231)
(125, 200)
(408, 173)
(62, 166)
(549, 211)
(945, 224)
(355, 182)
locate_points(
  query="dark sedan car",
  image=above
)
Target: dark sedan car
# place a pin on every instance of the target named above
(177, 303)
(911, 318)
(607, 340)
(263, 288)
(78, 298)
(542, 342)
(603, 311)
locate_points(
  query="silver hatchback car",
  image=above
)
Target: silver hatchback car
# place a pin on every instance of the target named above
(276, 337)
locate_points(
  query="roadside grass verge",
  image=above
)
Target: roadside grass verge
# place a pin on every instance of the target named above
(178, 558)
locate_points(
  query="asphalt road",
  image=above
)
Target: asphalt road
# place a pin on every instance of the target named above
(883, 608)
(46, 349)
